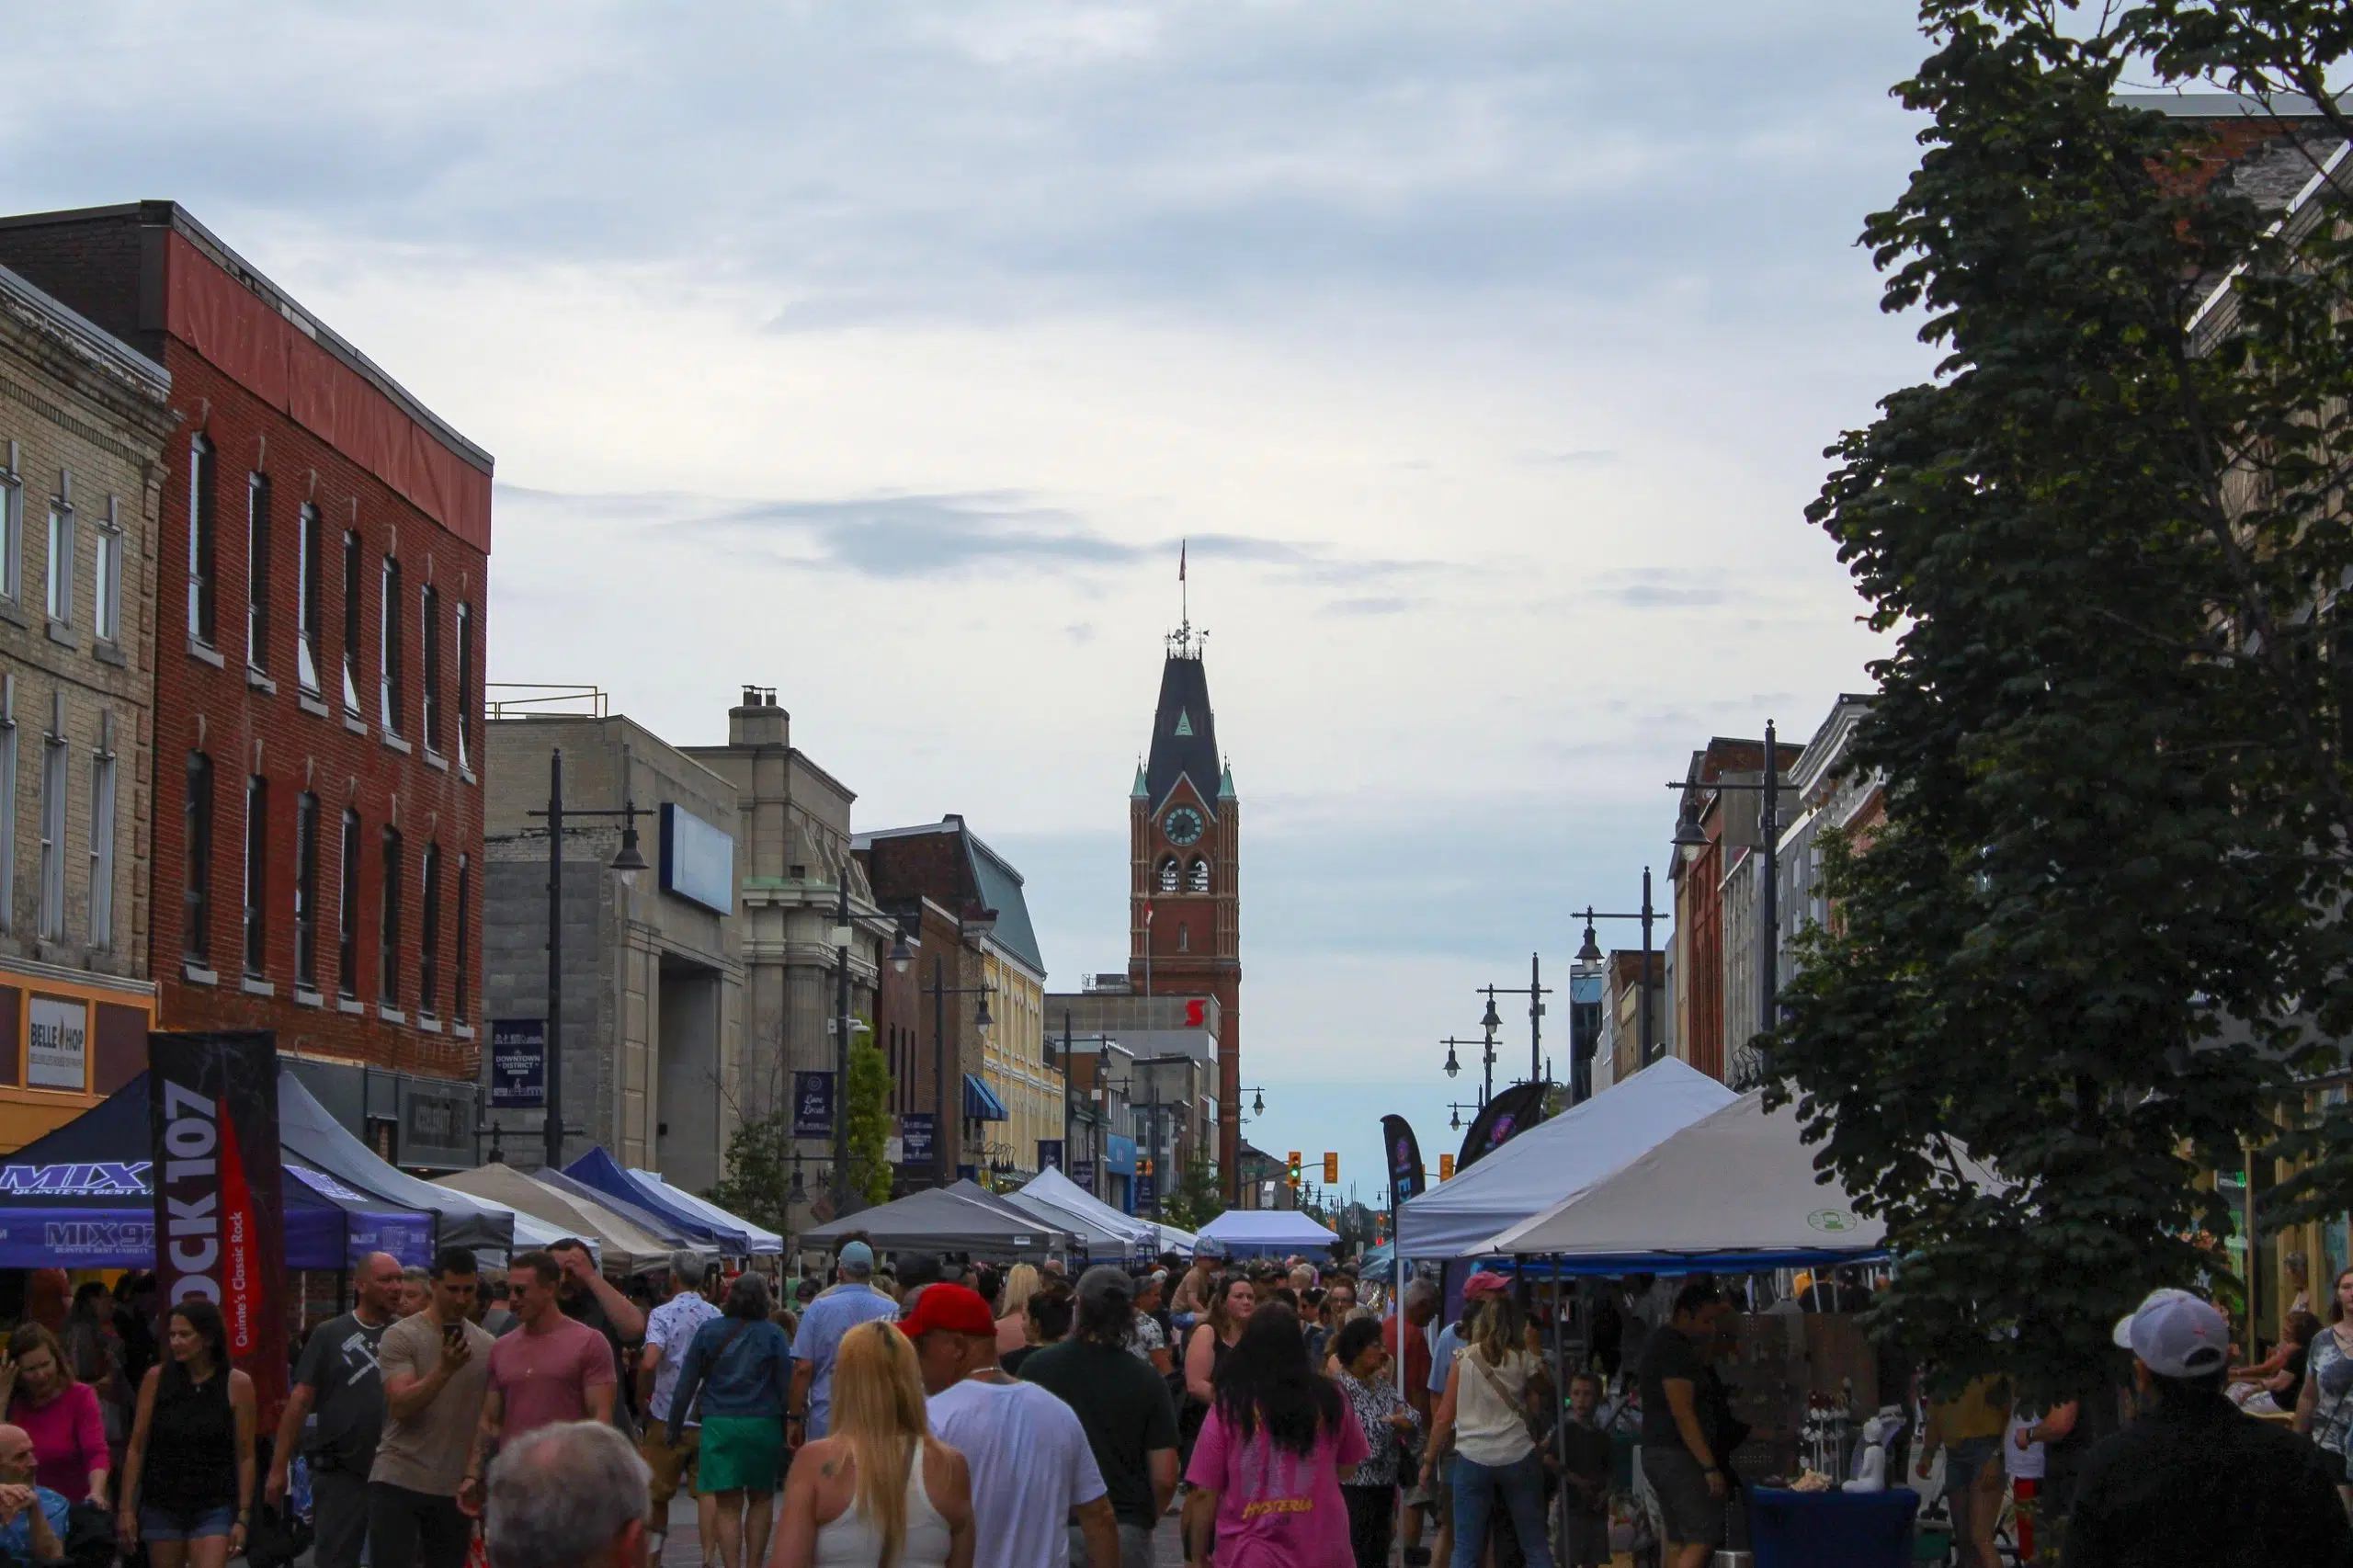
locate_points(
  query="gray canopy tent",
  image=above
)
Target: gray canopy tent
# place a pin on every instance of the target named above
(957, 1218)
(307, 1132)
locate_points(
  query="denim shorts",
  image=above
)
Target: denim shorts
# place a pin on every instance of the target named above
(174, 1524)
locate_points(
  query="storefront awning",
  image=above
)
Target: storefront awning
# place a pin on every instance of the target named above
(980, 1103)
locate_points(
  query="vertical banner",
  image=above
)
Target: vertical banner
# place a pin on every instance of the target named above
(813, 1105)
(1082, 1173)
(1050, 1153)
(914, 1138)
(1513, 1110)
(1407, 1177)
(518, 1063)
(220, 1212)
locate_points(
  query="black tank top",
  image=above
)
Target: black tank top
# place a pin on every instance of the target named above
(191, 1445)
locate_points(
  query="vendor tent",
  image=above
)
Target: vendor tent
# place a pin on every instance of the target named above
(957, 1218)
(1106, 1233)
(1555, 1158)
(624, 1248)
(764, 1244)
(307, 1132)
(530, 1233)
(1259, 1233)
(1735, 1190)
(1169, 1238)
(642, 1215)
(602, 1171)
(79, 1198)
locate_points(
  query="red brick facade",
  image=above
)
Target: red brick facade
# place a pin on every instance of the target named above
(233, 706)
(1188, 943)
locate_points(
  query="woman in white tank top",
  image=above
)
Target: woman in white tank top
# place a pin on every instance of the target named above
(877, 1491)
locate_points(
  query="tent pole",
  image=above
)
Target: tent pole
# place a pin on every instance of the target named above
(1560, 1403)
(1397, 1305)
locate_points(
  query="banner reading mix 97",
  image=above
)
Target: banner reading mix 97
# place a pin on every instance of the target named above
(220, 1211)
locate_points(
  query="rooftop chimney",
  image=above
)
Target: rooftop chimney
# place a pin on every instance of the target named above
(757, 720)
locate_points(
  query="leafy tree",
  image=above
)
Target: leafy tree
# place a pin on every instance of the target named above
(2099, 937)
(868, 1108)
(1197, 1201)
(759, 1171)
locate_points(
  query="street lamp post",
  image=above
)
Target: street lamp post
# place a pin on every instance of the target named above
(900, 956)
(1691, 840)
(626, 866)
(1535, 991)
(1487, 1047)
(1591, 953)
(940, 991)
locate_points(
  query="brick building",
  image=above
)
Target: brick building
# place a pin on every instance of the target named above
(1703, 966)
(324, 543)
(85, 420)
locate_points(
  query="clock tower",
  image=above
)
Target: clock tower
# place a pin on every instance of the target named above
(1185, 889)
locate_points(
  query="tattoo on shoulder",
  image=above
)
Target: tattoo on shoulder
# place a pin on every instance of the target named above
(829, 1468)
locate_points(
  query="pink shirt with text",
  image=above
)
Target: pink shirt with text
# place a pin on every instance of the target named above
(1276, 1509)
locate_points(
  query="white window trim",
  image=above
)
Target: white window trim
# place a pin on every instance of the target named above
(427, 699)
(11, 535)
(256, 576)
(307, 530)
(8, 802)
(102, 832)
(197, 449)
(50, 922)
(106, 587)
(465, 655)
(387, 643)
(58, 582)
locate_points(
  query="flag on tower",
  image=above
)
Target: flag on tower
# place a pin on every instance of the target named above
(1181, 545)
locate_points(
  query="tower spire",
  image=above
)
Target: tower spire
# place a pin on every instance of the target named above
(1181, 641)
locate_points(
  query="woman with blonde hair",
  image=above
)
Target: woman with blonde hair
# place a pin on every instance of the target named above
(878, 1491)
(1012, 1313)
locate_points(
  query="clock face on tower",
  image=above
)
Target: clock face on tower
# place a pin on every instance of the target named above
(1182, 825)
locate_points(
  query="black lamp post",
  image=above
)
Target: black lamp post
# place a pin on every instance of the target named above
(626, 866)
(900, 956)
(940, 991)
(1591, 951)
(1535, 991)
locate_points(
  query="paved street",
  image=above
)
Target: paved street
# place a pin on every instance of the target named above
(684, 1548)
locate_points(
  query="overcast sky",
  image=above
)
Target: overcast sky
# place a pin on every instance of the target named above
(882, 352)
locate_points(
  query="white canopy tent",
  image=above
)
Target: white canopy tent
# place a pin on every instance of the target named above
(1055, 1197)
(1255, 1233)
(1171, 1239)
(1555, 1159)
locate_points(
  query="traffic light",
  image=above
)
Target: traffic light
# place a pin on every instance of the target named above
(1331, 1169)
(1143, 1166)
(1445, 1167)
(1294, 1167)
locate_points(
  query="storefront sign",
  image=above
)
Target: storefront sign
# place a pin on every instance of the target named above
(59, 1054)
(220, 1211)
(518, 1063)
(813, 1105)
(697, 859)
(916, 1138)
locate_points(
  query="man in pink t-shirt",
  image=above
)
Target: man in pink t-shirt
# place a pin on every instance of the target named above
(552, 1369)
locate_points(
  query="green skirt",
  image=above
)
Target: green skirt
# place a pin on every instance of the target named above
(740, 1453)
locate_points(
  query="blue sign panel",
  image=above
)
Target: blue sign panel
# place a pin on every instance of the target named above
(914, 1138)
(813, 1105)
(1147, 1193)
(1118, 1154)
(1050, 1153)
(518, 1063)
(697, 859)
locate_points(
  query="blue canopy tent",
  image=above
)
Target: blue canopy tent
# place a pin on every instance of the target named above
(765, 1242)
(645, 1217)
(80, 1198)
(600, 1172)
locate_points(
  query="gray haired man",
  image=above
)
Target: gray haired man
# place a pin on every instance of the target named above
(568, 1495)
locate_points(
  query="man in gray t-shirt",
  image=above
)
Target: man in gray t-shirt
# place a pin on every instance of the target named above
(338, 1381)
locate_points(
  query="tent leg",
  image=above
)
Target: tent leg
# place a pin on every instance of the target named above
(1397, 1305)
(1560, 1405)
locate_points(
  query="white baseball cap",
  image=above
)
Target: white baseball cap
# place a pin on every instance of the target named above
(2176, 1335)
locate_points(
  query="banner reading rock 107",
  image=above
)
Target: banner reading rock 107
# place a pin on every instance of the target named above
(219, 1210)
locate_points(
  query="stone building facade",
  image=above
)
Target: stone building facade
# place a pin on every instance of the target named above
(321, 583)
(85, 418)
(651, 1029)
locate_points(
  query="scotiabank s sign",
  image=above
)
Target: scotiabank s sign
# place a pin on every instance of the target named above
(220, 1211)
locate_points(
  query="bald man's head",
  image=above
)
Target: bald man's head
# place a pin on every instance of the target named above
(15, 1456)
(378, 1284)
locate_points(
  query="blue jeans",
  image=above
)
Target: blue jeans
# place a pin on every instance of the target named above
(1520, 1486)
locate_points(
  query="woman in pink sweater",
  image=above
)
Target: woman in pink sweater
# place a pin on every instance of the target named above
(61, 1415)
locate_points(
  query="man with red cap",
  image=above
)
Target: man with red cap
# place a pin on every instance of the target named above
(1032, 1465)
(2196, 1481)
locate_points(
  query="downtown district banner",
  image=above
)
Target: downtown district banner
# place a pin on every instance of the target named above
(220, 1211)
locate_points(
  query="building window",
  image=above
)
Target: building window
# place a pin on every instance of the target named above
(106, 585)
(346, 958)
(200, 541)
(1168, 874)
(465, 684)
(9, 809)
(257, 570)
(428, 933)
(51, 923)
(61, 563)
(388, 936)
(388, 649)
(306, 891)
(351, 568)
(257, 875)
(306, 597)
(195, 924)
(1184, 938)
(1196, 880)
(12, 538)
(102, 849)
(428, 694)
(458, 980)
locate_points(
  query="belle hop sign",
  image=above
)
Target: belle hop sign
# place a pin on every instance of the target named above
(220, 1211)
